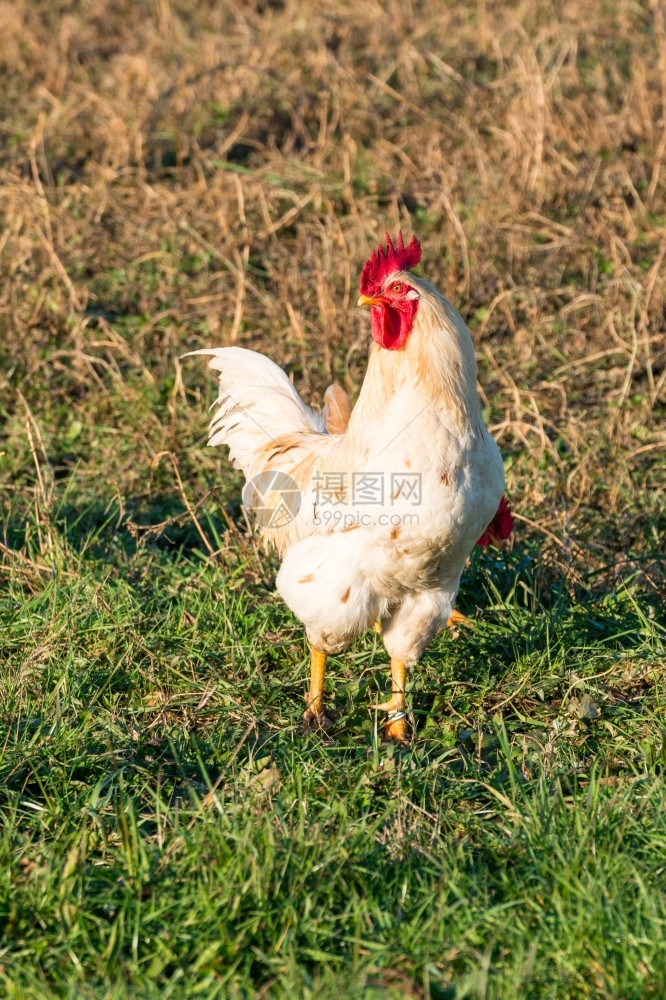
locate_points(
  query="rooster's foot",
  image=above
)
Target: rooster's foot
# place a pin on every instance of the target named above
(317, 721)
(457, 618)
(396, 728)
(314, 716)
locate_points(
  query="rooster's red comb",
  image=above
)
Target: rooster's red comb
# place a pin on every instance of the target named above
(385, 261)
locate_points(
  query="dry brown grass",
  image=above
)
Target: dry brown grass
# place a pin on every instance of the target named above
(175, 175)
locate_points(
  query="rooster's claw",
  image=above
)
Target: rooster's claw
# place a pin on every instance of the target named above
(316, 721)
(396, 730)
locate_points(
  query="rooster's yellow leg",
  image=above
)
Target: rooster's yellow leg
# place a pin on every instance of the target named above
(395, 728)
(314, 716)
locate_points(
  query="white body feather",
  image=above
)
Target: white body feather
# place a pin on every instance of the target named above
(418, 417)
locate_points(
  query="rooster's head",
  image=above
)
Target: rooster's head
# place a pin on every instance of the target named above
(383, 287)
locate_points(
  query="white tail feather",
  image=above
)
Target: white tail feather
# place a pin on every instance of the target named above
(257, 404)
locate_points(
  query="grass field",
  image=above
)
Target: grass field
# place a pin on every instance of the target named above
(176, 175)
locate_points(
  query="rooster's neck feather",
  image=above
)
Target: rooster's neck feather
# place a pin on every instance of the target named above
(437, 359)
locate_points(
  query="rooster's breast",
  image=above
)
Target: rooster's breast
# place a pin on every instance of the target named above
(451, 495)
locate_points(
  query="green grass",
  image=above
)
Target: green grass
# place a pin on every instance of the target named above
(167, 832)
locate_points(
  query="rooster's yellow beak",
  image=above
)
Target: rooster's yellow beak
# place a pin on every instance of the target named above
(367, 300)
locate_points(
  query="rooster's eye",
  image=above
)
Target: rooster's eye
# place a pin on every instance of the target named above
(397, 287)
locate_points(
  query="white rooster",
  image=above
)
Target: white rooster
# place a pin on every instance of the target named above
(376, 521)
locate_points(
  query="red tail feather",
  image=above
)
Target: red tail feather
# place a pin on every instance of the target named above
(500, 527)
